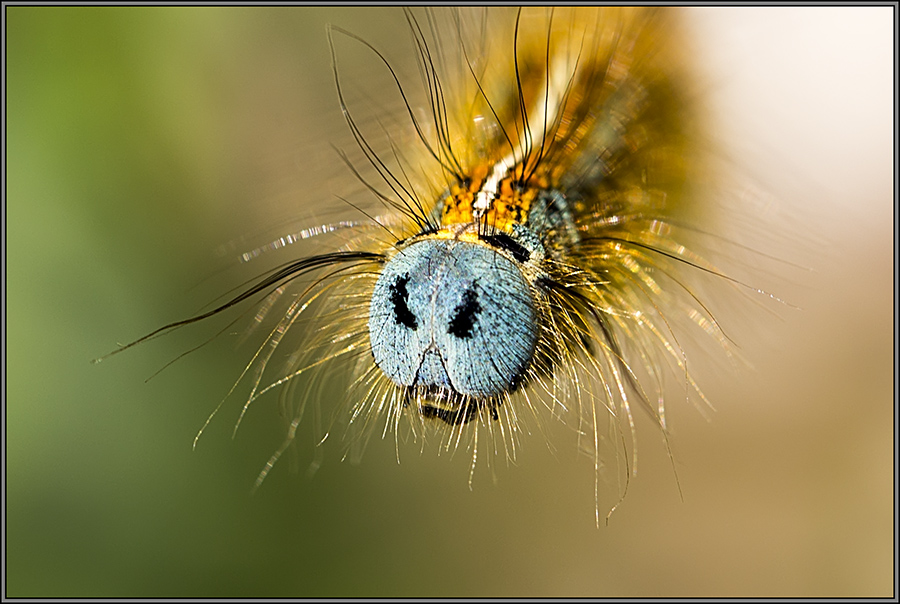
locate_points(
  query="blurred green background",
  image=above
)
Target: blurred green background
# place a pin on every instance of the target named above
(145, 146)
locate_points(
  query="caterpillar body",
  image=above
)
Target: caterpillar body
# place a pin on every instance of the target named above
(516, 259)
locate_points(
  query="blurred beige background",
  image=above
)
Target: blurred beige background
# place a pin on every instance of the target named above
(145, 145)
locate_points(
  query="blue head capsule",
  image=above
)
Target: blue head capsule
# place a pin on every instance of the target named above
(453, 318)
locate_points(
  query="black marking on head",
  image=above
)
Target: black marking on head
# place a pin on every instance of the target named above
(399, 296)
(545, 283)
(505, 242)
(464, 315)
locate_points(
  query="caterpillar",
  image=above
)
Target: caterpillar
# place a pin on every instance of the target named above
(516, 255)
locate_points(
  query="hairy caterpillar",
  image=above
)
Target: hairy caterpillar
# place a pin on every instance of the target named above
(517, 257)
